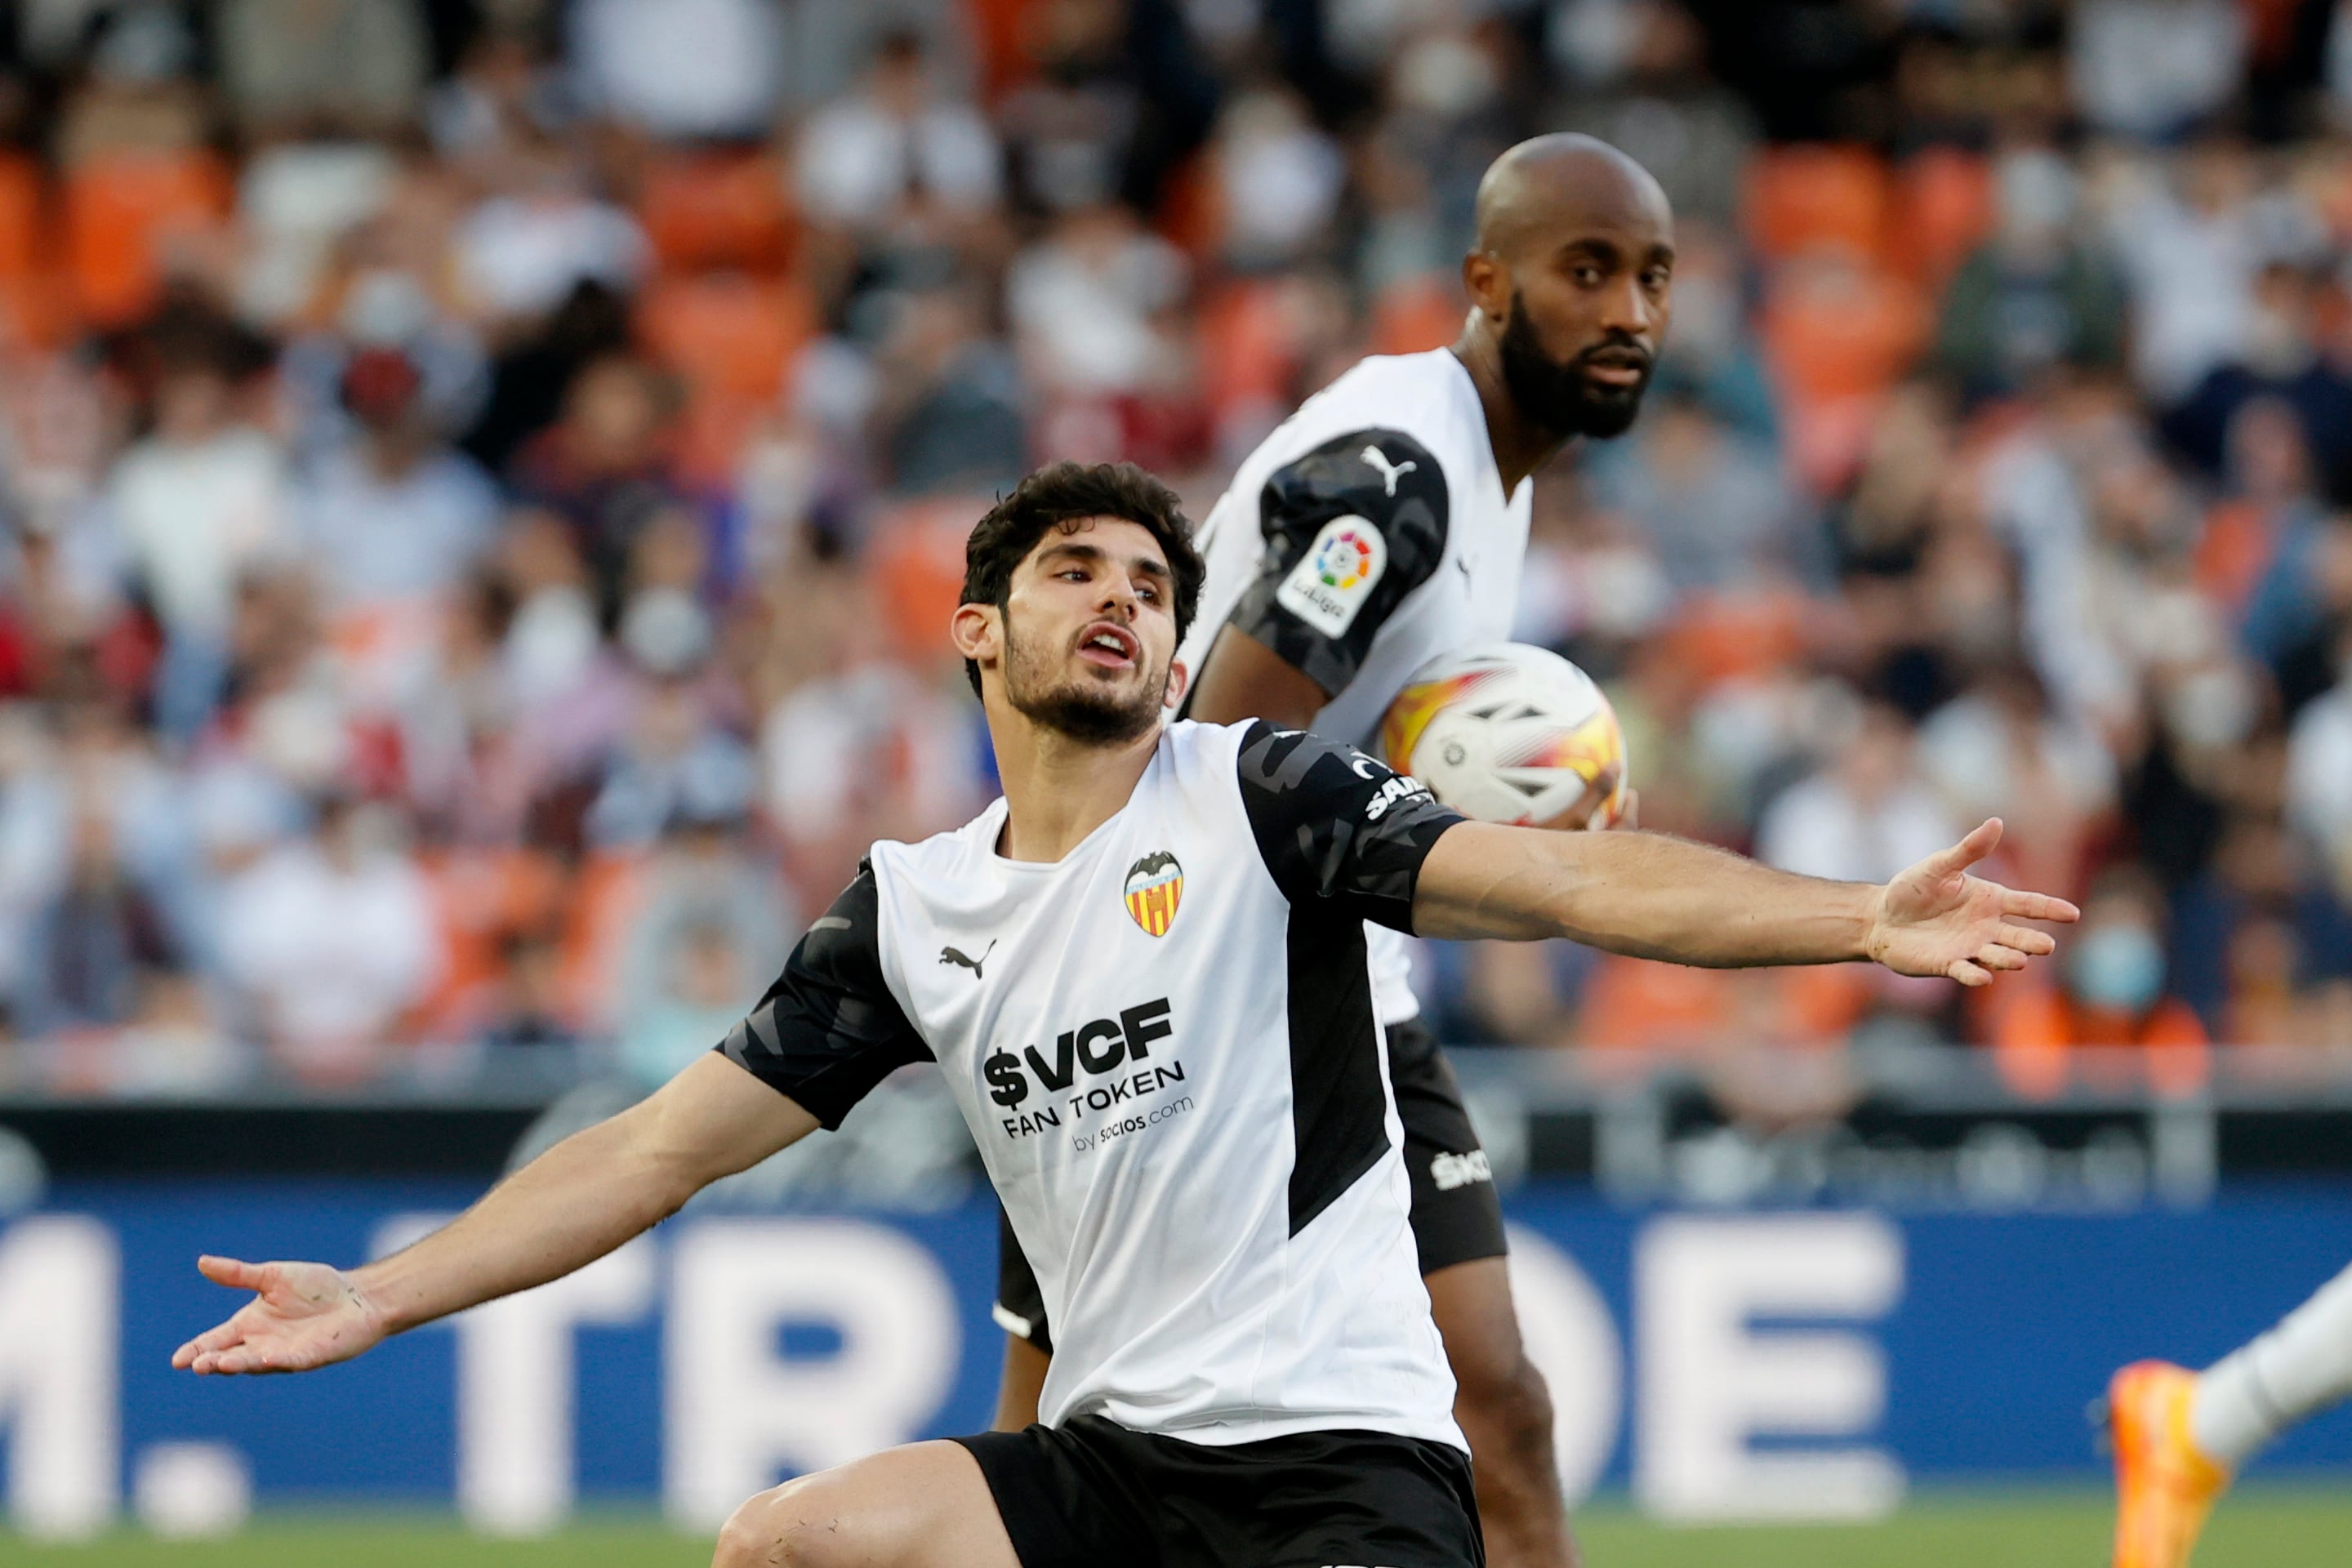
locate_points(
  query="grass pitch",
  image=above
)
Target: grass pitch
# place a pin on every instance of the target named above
(2256, 1530)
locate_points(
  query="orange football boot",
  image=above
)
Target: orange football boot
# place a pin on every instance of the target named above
(2164, 1486)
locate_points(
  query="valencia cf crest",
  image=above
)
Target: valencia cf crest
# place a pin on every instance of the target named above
(1155, 886)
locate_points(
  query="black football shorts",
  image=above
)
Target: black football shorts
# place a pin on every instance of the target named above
(1092, 1493)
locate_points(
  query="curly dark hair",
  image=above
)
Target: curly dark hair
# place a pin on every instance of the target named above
(1064, 495)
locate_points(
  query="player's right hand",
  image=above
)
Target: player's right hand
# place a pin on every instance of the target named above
(303, 1315)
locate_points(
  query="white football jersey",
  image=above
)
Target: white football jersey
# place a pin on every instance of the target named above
(1166, 1047)
(1367, 535)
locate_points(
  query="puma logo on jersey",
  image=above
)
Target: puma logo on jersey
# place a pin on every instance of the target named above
(1390, 472)
(955, 956)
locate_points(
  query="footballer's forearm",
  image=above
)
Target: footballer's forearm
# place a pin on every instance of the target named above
(588, 1195)
(1242, 680)
(1646, 895)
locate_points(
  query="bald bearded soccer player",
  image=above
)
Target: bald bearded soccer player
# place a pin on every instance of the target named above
(1415, 470)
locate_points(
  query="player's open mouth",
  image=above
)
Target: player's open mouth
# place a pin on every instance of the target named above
(1109, 647)
(1622, 371)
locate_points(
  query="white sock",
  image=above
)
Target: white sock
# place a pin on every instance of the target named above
(2257, 1392)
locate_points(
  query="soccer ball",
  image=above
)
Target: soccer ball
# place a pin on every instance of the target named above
(1505, 733)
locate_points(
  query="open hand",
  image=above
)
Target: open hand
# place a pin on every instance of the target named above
(303, 1315)
(1935, 919)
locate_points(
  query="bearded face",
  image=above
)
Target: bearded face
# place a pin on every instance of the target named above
(1048, 680)
(1598, 392)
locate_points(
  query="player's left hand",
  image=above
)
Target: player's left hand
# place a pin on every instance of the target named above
(302, 1316)
(1935, 919)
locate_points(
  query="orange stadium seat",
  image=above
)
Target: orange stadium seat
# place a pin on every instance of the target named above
(1945, 202)
(1246, 354)
(1417, 314)
(479, 898)
(120, 210)
(1836, 336)
(30, 311)
(1192, 215)
(20, 219)
(1800, 197)
(916, 550)
(705, 210)
(727, 334)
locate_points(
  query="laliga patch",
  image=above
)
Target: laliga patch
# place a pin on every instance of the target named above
(1336, 576)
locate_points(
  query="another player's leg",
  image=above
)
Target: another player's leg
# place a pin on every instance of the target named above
(1500, 1403)
(2181, 1435)
(924, 1506)
(1504, 1410)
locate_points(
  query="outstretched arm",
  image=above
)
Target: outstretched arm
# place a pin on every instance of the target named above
(1652, 895)
(565, 1209)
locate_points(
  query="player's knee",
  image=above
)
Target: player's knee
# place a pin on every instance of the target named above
(1507, 1407)
(786, 1527)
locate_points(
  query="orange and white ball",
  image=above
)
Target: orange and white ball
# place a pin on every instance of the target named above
(1505, 733)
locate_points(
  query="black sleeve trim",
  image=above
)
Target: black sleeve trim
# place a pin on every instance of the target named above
(1335, 825)
(1350, 529)
(828, 1030)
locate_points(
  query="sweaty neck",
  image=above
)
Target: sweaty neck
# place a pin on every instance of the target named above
(1520, 445)
(1057, 790)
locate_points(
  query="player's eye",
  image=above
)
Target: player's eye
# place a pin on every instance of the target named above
(1656, 279)
(1588, 276)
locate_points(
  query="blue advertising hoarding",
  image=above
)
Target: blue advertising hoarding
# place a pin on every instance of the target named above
(1717, 1365)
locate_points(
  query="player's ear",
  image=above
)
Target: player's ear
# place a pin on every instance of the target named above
(1178, 680)
(1488, 281)
(978, 632)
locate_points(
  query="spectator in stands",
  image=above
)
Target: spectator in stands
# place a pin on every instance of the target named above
(1712, 504)
(707, 984)
(2153, 69)
(1639, 80)
(89, 948)
(305, 65)
(1866, 817)
(330, 941)
(2033, 295)
(1278, 178)
(710, 926)
(864, 153)
(1999, 750)
(1089, 302)
(605, 466)
(2190, 248)
(528, 1013)
(683, 68)
(544, 231)
(393, 518)
(2110, 997)
(949, 414)
(200, 501)
(2278, 360)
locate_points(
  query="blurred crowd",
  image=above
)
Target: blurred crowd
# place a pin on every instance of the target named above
(483, 481)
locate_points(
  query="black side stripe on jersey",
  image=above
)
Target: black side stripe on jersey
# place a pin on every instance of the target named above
(828, 1030)
(1338, 1104)
(1344, 840)
(1376, 478)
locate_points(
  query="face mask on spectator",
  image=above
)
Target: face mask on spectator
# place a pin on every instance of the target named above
(2120, 969)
